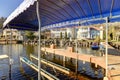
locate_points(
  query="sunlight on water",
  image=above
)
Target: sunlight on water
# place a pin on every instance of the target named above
(85, 69)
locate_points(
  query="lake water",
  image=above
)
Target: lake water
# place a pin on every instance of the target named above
(24, 72)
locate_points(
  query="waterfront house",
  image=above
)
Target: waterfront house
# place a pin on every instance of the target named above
(16, 35)
(71, 33)
(89, 32)
(55, 33)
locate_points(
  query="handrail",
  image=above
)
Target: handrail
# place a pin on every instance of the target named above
(31, 63)
(57, 65)
(51, 63)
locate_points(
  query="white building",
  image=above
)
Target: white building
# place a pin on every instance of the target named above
(83, 32)
(87, 32)
(16, 35)
(71, 33)
(55, 33)
(101, 32)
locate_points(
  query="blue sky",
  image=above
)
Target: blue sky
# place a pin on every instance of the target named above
(8, 6)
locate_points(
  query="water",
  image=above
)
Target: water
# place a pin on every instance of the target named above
(85, 69)
(89, 51)
(17, 50)
(23, 72)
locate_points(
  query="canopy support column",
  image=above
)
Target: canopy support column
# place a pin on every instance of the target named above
(106, 50)
(76, 58)
(39, 46)
(10, 52)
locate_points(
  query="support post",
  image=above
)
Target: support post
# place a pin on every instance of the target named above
(44, 38)
(10, 52)
(64, 61)
(39, 46)
(76, 58)
(106, 51)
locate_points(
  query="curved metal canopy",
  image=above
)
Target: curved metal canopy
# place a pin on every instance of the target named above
(60, 13)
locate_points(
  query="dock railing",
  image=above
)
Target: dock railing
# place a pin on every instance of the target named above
(61, 68)
(43, 72)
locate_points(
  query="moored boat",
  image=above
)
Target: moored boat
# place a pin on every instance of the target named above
(95, 46)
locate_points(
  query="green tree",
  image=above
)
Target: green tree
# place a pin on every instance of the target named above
(2, 19)
(60, 35)
(104, 35)
(111, 36)
(97, 39)
(30, 35)
(65, 35)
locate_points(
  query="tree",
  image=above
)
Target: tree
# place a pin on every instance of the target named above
(97, 39)
(29, 35)
(104, 34)
(2, 19)
(60, 35)
(111, 36)
(65, 35)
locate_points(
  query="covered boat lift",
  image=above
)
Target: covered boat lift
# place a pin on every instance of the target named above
(38, 15)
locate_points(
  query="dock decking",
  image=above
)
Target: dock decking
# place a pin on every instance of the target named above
(88, 58)
(113, 60)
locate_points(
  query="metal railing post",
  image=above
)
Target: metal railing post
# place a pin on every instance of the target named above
(106, 50)
(39, 46)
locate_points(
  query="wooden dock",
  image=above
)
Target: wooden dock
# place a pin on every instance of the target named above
(114, 67)
(113, 60)
(88, 58)
(113, 63)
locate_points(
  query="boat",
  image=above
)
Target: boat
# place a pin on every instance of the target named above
(95, 46)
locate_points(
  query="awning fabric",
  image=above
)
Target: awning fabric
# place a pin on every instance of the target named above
(62, 13)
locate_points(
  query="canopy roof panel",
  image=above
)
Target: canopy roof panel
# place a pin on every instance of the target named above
(60, 13)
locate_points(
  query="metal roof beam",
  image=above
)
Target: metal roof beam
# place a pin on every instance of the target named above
(71, 8)
(23, 28)
(51, 13)
(60, 8)
(100, 10)
(15, 25)
(55, 10)
(81, 8)
(112, 4)
(47, 14)
(90, 8)
(49, 17)
(52, 16)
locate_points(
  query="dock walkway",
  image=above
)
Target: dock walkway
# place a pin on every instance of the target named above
(88, 58)
(113, 59)
(113, 63)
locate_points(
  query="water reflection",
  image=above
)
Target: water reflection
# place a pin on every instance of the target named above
(89, 51)
(84, 68)
(29, 50)
(16, 50)
(22, 73)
